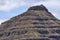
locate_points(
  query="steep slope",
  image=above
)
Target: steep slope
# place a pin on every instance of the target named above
(37, 23)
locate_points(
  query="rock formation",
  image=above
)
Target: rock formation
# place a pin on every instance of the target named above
(37, 23)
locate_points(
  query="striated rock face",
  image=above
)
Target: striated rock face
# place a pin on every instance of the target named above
(35, 24)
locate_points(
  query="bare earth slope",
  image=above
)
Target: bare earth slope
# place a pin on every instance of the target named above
(37, 23)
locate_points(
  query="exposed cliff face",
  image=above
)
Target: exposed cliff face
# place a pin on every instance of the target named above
(35, 24)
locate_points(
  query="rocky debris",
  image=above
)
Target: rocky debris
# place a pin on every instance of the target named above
(37, 23)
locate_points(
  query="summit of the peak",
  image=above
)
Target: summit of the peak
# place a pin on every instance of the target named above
(39, 7)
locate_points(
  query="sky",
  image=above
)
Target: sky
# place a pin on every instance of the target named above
(11, 8)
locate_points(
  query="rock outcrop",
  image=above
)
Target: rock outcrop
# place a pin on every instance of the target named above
(37, 23)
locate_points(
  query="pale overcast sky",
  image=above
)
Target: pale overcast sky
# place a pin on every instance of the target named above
(10, 8)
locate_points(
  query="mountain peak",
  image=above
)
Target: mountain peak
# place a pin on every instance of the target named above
(34, 24)
(39, 7)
